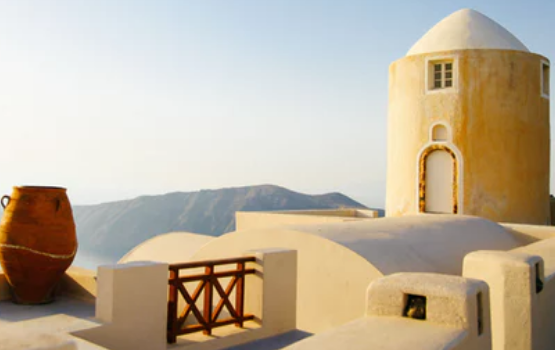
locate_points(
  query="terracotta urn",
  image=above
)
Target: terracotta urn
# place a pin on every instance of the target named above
(37, 241)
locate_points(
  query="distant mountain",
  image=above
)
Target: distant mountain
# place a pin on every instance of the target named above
(110, 230)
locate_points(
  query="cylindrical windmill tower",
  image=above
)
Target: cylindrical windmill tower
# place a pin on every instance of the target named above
(468, 129)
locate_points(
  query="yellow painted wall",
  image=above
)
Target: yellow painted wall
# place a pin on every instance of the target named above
(500, 125)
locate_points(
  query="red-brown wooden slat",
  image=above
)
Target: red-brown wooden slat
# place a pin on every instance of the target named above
(185, 313)
(189, 301)
(223, 274)
(224, 298)
(193, 264)
(221, 303)
(210, 280)
(208, 289)
(240, 294)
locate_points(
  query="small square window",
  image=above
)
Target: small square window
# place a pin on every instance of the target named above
(545, 79)
(441, 74)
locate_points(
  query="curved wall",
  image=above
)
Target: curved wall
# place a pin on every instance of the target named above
(331, 279)
(175, 247)
(420, 243)
(337, 261)
(499, 125)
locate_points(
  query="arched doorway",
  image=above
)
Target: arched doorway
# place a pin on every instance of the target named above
(438, 180)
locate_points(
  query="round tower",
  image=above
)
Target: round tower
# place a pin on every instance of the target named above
(468, 128)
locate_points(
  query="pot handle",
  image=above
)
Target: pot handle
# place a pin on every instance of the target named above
(2, 201)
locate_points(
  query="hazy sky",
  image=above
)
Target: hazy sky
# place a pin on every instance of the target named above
(114, 99)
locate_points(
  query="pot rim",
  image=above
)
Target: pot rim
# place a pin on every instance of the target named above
(47, 188)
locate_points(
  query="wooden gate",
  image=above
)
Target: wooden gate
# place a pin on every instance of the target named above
(208, 282)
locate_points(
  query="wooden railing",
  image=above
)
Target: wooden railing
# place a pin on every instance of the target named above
(209, 281)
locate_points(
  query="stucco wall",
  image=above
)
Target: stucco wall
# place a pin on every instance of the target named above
(420, 243)
(332, 279)
(451, 321)
(251, 220)
(337, 261)
(499, 124)
(546, 250)
(528, 234)
(131, 308)
(522, 315)
(170, 248)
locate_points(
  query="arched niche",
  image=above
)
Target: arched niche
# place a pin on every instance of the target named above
(440, 133)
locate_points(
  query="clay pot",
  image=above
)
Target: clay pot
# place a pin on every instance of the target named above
(37, 241)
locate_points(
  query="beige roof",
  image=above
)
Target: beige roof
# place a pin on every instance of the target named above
(174, 247)
(420, 243)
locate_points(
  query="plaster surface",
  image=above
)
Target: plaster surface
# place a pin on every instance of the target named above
(251, 220)
(546, 250)
(466, 29)
(499, 126)
(522, 314)
(337, 261)
(328, 273)
(131, 306)
(421, 243)
(451, 317)
(169, 248)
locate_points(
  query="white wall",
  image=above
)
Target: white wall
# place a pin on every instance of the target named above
(522, 316)
(420, 243)
(451, 317)
(169, 248)
(328, 273)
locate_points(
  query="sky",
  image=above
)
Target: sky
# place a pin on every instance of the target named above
(115, 99)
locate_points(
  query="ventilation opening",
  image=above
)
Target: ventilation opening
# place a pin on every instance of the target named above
(480, 313)
(539, 282)
(415, 307)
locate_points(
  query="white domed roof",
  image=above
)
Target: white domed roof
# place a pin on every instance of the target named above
(466, 29)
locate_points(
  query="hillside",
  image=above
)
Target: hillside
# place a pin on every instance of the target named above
(109, 230)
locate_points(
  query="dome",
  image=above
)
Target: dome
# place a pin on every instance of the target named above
(466, 29)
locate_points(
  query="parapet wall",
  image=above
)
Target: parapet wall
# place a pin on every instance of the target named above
(132, 305)
(528, 234)
(415, 311)
(522, 283)
(261, 220)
